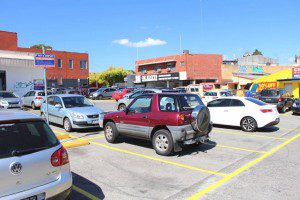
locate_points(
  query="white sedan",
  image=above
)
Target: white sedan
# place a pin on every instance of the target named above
(248, 113)
(214, 94)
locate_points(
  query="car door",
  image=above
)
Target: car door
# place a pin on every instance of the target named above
(50, 108)
(28, 99)
(57, 112)
(136, 123)
(219, 110)
(236, 112)
(23, 99)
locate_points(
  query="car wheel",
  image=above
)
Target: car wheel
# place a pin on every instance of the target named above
(122, 107)
(33, 106)
(111, 132)
(162, 142)
(100, 97)
(248, 124)
(67, 125)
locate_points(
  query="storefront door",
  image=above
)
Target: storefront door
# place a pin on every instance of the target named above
(2, 80)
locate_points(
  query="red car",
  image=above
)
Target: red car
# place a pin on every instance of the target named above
(169, 120)
(120, 93)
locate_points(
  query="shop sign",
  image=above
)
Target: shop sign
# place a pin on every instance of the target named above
(38, 84)
(265, 85)
(296, 72)
(44, 60)
(207, 86)
(149, 78)
(165, 77)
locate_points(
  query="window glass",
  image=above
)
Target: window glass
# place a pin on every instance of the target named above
(57, 101)
(182, 63)
(141, 105)
(51, 101)
(7, 95)
(256, 101)
(43, 93)
(59, 63)
(167, 104)
(136, 94)
(194, 89)
(219, 103)
(214, 94)
(171, 66)
(236, 102)
(71, 64)
(32, 93)
(189, 101)
(83, 64)
(25, 136)
(225, 94)
(207, 94)
(79, 101)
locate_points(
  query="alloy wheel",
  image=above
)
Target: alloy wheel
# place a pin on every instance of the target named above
(108, 132)
(248, 124)
(161, 142)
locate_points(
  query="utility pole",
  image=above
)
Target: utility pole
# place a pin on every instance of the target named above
(45, 84)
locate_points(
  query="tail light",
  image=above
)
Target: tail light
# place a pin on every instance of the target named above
(280, 100)
(266, 110)
(59, 157)
(183, 119)
(203, 97)
(39, 98)
(214, 97)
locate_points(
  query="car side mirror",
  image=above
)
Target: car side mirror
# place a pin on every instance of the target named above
(58, 106)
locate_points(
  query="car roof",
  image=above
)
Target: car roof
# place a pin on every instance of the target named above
(6, 115)
(67, 95)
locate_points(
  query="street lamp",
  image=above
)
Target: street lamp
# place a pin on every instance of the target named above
(78, 81)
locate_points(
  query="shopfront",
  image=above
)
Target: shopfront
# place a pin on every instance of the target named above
(169, 80)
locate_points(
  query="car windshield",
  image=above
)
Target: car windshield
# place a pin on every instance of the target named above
(189, 101)
(269, 93)
(43, 93)
(256, 101)
(21, 137)
(225, 94)
(7, 95)
(71, 102)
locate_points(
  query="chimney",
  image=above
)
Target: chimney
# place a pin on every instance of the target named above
(186, 52)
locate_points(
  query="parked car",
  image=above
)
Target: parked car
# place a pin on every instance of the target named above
(33, 163)
(88, 91)
(279, 97)
(118, 94)
(34, 98)
(214, 94)
(296, 107)
(72, 111)
(102, 93)
(128, 98)
(69, 91)
(169, 120)
(245, 112)
(9, 100)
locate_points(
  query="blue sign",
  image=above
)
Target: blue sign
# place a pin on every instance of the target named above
(44, 60)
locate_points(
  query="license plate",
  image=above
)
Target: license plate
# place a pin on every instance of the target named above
(36, 197)
(95, 122)
(14, 106)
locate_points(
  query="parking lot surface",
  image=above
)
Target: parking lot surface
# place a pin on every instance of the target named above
(233, 165)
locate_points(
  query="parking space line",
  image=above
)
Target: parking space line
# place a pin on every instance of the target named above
(84, 193)
(153, 158)
(250, 135)
(237, 148)
(242, 169)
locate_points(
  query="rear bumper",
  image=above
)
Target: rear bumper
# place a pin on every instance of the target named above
(63, 195)
(273, 123)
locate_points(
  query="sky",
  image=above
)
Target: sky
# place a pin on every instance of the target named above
(118, 32)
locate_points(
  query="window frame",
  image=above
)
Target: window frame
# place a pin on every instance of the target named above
(80, 66)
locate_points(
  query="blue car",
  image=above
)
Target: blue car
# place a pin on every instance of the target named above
(296, 107)
(72, 111)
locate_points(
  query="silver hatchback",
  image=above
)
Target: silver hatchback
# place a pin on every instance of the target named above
(33, 163)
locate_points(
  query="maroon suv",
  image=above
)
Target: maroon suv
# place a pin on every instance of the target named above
(168, 120)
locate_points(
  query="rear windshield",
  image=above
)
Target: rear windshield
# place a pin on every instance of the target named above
(256, 101)
(269, 93)
(189, 101)
(7, 95)
(43, 93)
(25, 136)
(225, 94)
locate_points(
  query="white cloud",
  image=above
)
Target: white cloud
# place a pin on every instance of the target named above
(146, 43)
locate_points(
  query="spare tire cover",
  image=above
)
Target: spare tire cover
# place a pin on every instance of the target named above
(200, 119)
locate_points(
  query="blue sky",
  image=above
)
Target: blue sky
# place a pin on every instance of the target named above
(225, 27)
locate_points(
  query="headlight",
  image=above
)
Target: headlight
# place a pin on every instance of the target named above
(77, 116)
(4, 102)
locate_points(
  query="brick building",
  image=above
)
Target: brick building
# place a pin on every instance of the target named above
(69, 66)
(179, 70)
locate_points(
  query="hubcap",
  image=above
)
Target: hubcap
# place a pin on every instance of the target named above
(161, 142)
(248, 124)
(67, 125)
(108, 132)
(122, 107)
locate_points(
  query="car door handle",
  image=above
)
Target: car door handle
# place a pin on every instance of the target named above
(145, 117)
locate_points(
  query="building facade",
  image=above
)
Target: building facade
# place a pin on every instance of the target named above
(70, 67)
(179, 70)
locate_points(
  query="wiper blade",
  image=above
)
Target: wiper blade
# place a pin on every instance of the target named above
(27, 151)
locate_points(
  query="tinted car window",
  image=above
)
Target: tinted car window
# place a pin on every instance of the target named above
(189, 101)
(57, 101)
(25, 136)
(51, 101)
(256, 101)
(236, 103)
(141, 105)
(167, 104)
(7, 95)
(219, 103)
(269, 93)
(43, 93)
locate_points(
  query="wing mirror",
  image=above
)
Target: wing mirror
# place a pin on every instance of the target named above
(58, 106)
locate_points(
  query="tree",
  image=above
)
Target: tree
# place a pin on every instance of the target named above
(110, 76)
(40, 46)
(257, 52)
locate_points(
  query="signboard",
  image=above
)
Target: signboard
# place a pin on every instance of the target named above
(271, 85)
(160, 77)
(44, 60)
(38, 84)
(207, 86)
(296, 72)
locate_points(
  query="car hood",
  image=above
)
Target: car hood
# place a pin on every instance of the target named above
(12, 100)
(86, 110)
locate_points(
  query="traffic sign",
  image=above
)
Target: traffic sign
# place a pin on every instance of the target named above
(44, 60)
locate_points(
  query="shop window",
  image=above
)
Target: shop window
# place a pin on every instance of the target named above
(83, 64)
(171, 66)
(59, 63)
(143, 70)
(182, 63)
(157, 68)
(70, 64)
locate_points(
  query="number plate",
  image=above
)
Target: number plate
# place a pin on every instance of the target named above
(95, 122)
(36, 197)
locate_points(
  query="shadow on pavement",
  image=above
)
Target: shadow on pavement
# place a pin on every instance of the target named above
(87, 186)
(267, 129)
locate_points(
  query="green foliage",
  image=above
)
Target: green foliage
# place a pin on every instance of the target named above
(40, 46)
(257, 52)
(110, 76)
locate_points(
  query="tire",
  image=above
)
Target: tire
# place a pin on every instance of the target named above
(100, 97)
(33, 106)
(162, 142)
(67, 125)
(111, 132)
(122, 106)
(248, 124)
